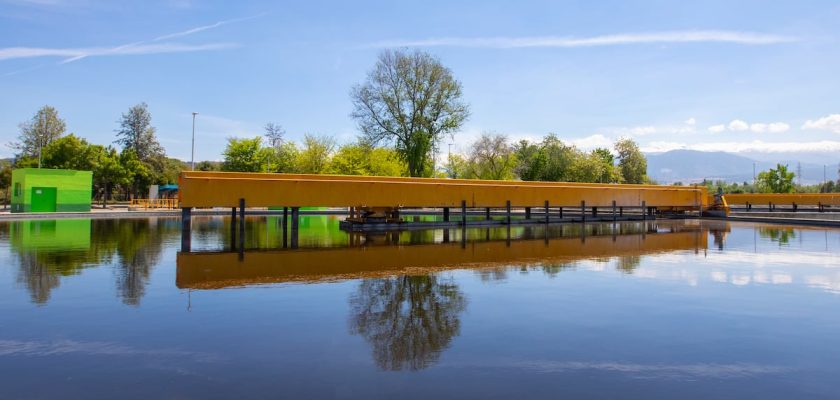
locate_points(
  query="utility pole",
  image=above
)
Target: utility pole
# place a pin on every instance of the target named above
(799, 173)
(192, 155)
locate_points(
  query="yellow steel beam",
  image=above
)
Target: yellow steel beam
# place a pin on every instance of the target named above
(217, 189)
(218, 270)
(800, 199)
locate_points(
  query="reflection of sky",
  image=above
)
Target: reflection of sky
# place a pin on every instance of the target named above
(810, 258)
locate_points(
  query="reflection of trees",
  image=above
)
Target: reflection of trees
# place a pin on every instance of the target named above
(139, 243)
(37, 277)
(408, 320)
(780, 235)
(628, 264)
(135, 243)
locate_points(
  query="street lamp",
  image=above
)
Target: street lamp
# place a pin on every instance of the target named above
(192, 155)
(449, 160)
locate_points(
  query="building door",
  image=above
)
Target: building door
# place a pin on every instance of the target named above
(43, 199)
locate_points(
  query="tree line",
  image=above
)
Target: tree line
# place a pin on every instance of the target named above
(117, 173)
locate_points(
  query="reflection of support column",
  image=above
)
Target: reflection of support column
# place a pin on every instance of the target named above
(507, 210)
(295, 218)
(241, 225)
(186, 225)
(615, 216)
(507, 242)
(285, 226)
(233, 228)
(446, 235)
(464, 236)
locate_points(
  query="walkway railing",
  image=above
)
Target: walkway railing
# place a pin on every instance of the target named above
(156, 203)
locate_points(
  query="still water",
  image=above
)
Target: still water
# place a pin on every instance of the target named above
(104, 309)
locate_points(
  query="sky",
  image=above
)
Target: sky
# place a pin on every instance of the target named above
(754, 77)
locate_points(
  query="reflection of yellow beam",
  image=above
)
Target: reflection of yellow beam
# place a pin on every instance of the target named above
(218, 189)
(217, 270)
(801, 199)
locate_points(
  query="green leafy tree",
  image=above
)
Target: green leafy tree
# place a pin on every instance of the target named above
(70, 152)
(456, 167)
(530, 161)
(109, 173)
(412, 101)
(631, 161)
(361, 159)
(37, 133)
(5, 180)
(559, 159)
(285, 158)
(776, 180)
(208, 166)
(315, 155)
(246, 155)
(139, 175)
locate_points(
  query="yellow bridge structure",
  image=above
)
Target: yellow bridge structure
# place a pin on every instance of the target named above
(221, 189)
(381, 199)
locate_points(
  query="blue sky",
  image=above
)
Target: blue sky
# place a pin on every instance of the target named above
(756, 77)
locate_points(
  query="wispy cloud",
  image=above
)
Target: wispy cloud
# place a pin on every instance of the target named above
(205, 27)
(736, 37)
(74, 54)
(135, 48)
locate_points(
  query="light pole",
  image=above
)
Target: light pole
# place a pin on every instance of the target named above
(449, 161)
(192, 155)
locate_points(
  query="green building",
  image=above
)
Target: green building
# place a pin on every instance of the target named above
(50, 190)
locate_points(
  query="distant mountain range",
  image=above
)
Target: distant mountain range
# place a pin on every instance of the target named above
(689, 166)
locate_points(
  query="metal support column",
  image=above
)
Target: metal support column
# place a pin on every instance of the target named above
(527, 212)
(295, 221)
(507, 210)
(445, 214)
(644, 210)
(614, 215)
(487, 214)
(463, 212)
(546, 211)
(582, 211)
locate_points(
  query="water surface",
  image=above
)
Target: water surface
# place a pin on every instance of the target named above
(668, 309)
